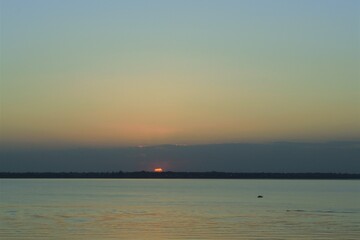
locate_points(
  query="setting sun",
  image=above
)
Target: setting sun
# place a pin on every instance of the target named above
(158, 170)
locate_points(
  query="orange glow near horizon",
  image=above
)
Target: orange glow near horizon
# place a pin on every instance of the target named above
(158, 170)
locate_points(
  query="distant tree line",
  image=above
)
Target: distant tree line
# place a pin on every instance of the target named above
(180, 175)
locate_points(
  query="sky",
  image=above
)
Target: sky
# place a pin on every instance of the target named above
(105, 74)
(281, 157)
(127, 73)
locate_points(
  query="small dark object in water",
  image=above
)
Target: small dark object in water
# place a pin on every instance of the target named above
(260, 196)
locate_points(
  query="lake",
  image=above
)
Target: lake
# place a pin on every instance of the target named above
(179, 209)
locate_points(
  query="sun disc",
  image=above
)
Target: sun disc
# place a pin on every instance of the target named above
(158, 170)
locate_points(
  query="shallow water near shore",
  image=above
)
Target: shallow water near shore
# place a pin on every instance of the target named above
(179, 209)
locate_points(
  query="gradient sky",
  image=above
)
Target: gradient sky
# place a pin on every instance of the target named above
(123, 73)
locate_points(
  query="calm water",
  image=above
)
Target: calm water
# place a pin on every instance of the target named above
(179, 209)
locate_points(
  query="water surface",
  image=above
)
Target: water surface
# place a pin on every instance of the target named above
(179, 209)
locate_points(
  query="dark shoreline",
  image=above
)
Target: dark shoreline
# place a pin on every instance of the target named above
(178, 175)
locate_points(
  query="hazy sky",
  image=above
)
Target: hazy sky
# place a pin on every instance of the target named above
(337, 157)
(123, 73)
